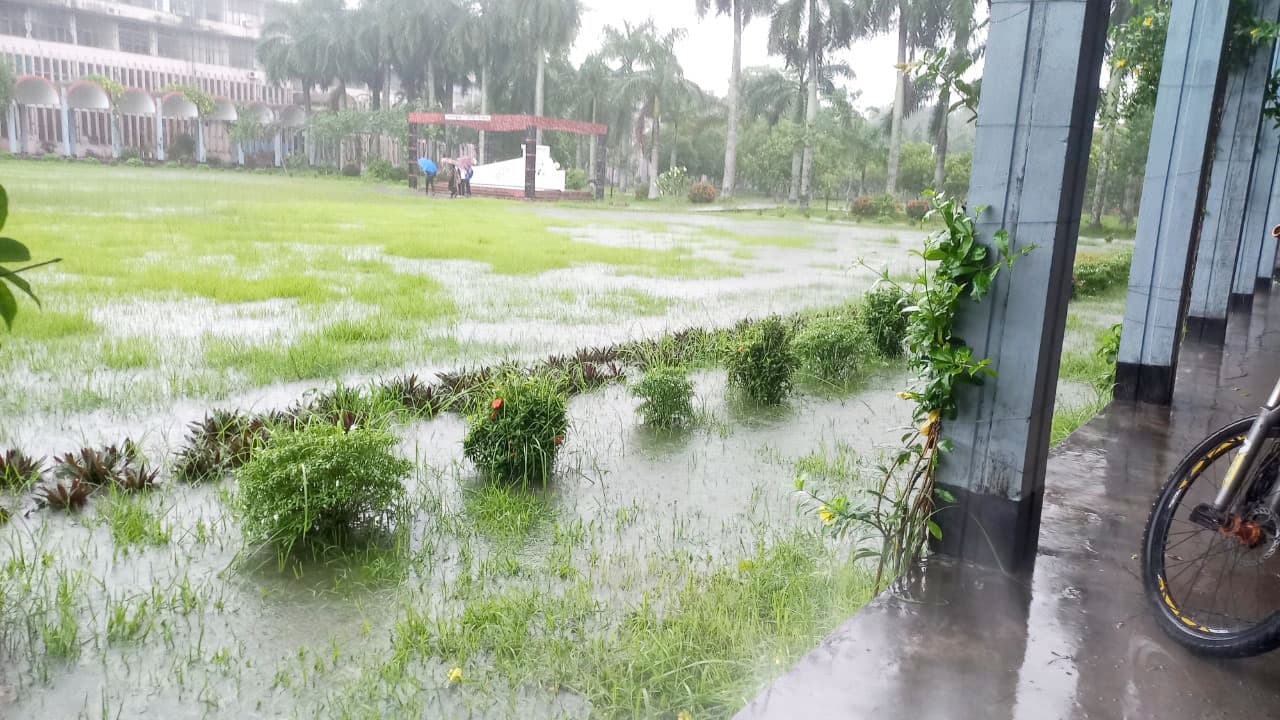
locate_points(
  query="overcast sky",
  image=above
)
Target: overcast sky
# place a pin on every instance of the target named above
(706, 50)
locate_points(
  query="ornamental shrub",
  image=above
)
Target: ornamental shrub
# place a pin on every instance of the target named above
(764, 362)
(575, 179)
(833, 347)
(134, 162)
(319, 483)
(351, 170)
(130, 153)
(884, 320)
(182, 147)
(666, 398)
(702, 193)
(873, 206)
(1094, 275)
(383, 170)
(515, 433)
(916, 209)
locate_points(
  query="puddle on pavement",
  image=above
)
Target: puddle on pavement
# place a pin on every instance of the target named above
(235, 641)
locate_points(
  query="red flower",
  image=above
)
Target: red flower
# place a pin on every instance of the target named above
(559, 440)
(741, 348)
(496, 404)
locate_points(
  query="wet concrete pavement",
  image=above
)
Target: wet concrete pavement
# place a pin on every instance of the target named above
(1075, 638)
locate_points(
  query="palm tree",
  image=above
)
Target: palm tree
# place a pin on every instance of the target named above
(421, 28)
(595, 83)
(549, 26)
(487, 29)
(305, 44)
(742, 11)
(651, 73)
(817, 27)
(366, 56)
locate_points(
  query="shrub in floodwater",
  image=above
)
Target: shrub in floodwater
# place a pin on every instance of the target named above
(96, 468)
(764, 362)
(65, 494)
(318, 482)
(415, 395)
(18, 470)
(884, 320)
(516, 435)
(702, 193)
(833, 347)
(916, 209)
(666, 398)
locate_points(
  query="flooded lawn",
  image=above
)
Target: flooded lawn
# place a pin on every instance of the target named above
(656, 574)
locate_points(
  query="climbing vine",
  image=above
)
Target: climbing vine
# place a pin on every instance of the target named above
(113, 89)
(196, 96)
(892, 520)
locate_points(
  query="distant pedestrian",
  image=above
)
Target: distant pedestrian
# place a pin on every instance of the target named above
(428, 168)
(464, 164)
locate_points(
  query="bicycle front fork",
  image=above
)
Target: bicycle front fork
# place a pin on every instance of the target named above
(1218, 516)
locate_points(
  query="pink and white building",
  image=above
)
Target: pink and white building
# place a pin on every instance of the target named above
(145, 46)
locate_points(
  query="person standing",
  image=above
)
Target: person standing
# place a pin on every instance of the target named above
(464, 164)
(428, 168)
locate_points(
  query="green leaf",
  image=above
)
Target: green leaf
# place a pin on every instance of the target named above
(8, 306)
(935, 530)
(945, 496)
(13, 251)
(4, 206)
(17, 281)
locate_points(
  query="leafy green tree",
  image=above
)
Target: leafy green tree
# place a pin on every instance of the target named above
(12, 251)
(742, 12)
(549, 26)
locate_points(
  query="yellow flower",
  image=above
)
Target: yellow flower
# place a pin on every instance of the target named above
(684, 715)
(904, 395)
(1121, 63)
(929, 422)
(455, 675)
(825, 514)
(1146, 22)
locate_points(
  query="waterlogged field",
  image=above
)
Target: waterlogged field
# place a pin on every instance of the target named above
(656, 574)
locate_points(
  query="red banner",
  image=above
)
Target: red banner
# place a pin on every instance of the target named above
(508, 123)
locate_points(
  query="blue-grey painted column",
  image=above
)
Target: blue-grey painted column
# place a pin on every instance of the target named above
(277, 144)
(1172, 197)
(1253, 263)
(1034, 128)
(14, 130)
(200, 140)
(240, 154)
(160, 130)
(1243, 165)
(68, 145)
(114, 119)
(1267, 263)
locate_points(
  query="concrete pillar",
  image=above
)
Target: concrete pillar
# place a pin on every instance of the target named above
(240, 154)
(1034, 128)
(200, 140)
(1255, 262)
(160, 129)
(530, 163)
(1240, 177)
(599, 170)
(12, 112)
(113, 119)
(1172, 197)
(68, 144)
(278, 146)
(1267, 263)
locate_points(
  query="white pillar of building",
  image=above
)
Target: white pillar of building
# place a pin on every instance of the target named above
(68, 145)
(160, 129)
(12, 119)
(279, 148)
(199, 140)
(114, 119)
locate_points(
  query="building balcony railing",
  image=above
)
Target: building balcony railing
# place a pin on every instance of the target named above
(248, 27)
(75, 53)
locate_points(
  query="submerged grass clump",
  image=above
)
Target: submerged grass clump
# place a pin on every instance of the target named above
(666, 398)
(763, 365)
(18, 470)
(516, 435)
(319, 483)
(834, 348)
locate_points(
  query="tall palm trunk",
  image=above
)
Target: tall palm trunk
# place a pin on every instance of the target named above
(899, 100)
(431, 84)
(675, 143)
(538, 88)
(1104, 153)
(731, 131)
(484, 104)
(811, 107)
(793, 194)
(306, 97)
(940, 141)
(653, 152)
(591, 147)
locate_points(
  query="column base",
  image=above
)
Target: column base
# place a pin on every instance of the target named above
(989, 530)
(1240, 301)
(1144, 383)
(1208, 330)
(1262, 284)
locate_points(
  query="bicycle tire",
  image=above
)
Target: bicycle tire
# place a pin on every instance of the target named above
(1180, 625)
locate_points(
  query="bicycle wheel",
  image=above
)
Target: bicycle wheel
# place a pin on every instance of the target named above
(1215, 591)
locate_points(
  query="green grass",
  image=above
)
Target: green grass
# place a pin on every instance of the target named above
(134, 521)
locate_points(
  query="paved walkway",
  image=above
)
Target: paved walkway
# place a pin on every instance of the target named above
(1075, 639)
